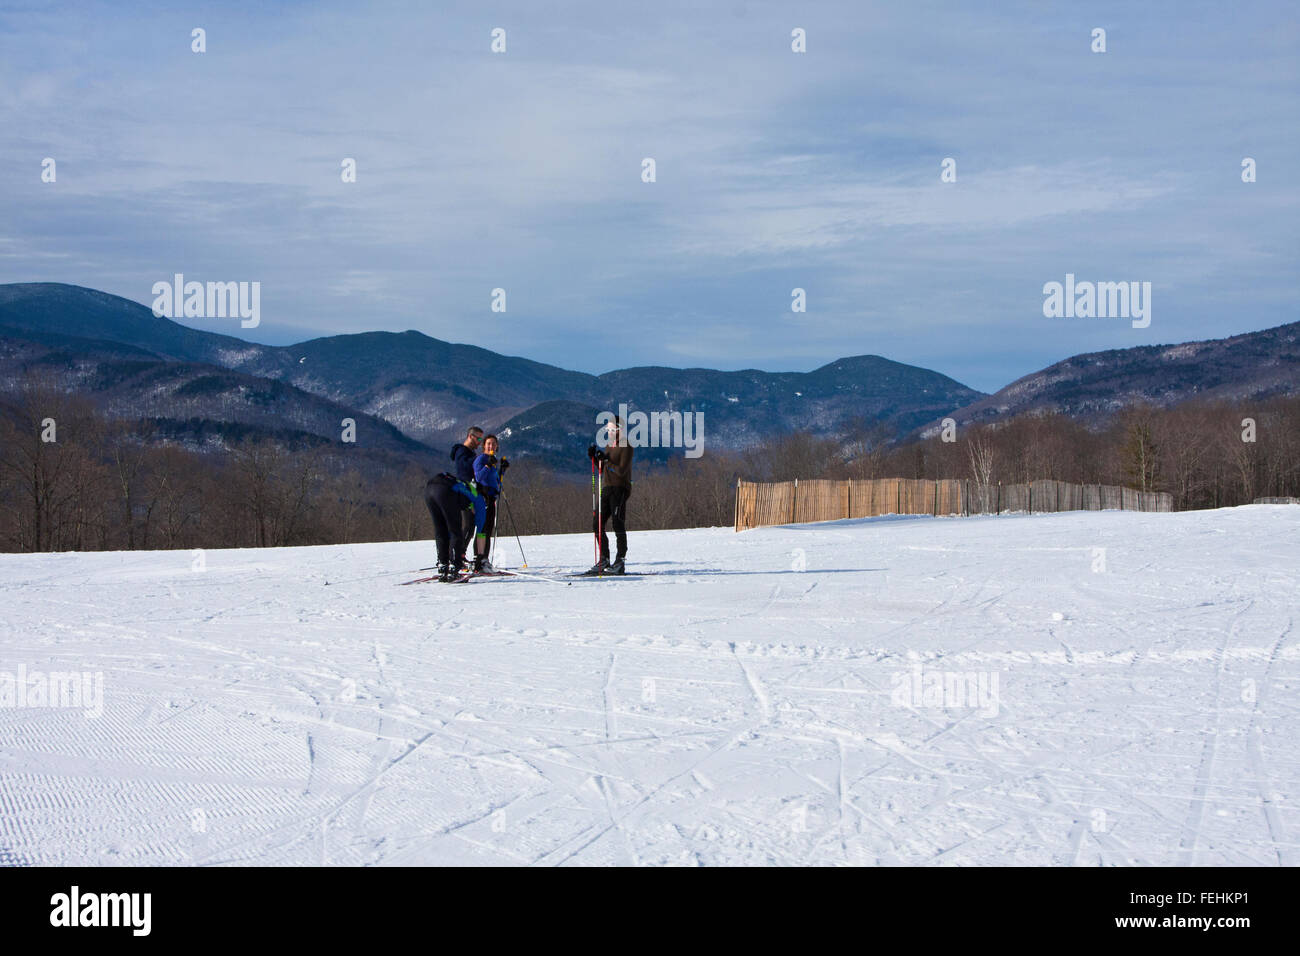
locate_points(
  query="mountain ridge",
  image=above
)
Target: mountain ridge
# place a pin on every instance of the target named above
(431, 389)
(1091, 386)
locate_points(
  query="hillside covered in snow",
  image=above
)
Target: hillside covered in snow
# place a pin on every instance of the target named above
(1084, 688)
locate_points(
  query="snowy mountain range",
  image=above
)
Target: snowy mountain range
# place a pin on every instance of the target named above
(1093, 386)
(429, 390)
(410, 393)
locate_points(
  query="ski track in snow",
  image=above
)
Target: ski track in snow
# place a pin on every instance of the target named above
(294, 706)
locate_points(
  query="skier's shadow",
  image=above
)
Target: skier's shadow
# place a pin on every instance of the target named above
(724, 571)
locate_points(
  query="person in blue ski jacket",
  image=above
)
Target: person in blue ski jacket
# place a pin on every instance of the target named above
(488, 470)
(449, 498)
(487, 467)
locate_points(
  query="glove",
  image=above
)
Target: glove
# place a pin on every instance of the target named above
(591, 452)
(504, 465)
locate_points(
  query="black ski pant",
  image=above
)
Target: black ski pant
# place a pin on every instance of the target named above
(447, 510)
(613, 513)
(466, 526)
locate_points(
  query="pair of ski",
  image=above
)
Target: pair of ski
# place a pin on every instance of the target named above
(468, 576)
(463, 577)
(597, 573)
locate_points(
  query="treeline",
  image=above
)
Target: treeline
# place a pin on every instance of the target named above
(1205, 454)
(73, 478)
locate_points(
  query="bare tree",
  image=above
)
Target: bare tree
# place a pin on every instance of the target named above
(1141, 455)
(128, 449)
(172, 487)
(979, 450)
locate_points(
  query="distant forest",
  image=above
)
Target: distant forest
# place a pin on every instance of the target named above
(107, 484)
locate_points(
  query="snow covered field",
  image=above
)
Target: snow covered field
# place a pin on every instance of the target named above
(1083, 688)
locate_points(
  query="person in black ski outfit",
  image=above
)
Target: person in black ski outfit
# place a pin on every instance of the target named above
(462, 458)
(448, 498)
(462, 454)
(616, 488)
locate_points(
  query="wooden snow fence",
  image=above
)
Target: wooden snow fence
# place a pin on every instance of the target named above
(761, 504)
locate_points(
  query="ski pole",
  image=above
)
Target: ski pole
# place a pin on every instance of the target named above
(514, 529)
(594, 533)
(492, 544)
(600, 486)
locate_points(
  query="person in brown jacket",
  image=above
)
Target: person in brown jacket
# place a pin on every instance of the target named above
(616, 487)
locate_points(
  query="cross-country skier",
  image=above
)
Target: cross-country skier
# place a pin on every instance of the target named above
(462, 454)
(488, 471)
(448, 498)
(616, 488)
(462, 457)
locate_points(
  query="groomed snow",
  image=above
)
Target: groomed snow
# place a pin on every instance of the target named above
(1139, 703)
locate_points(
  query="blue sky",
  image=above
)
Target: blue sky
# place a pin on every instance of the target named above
(775, 170)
